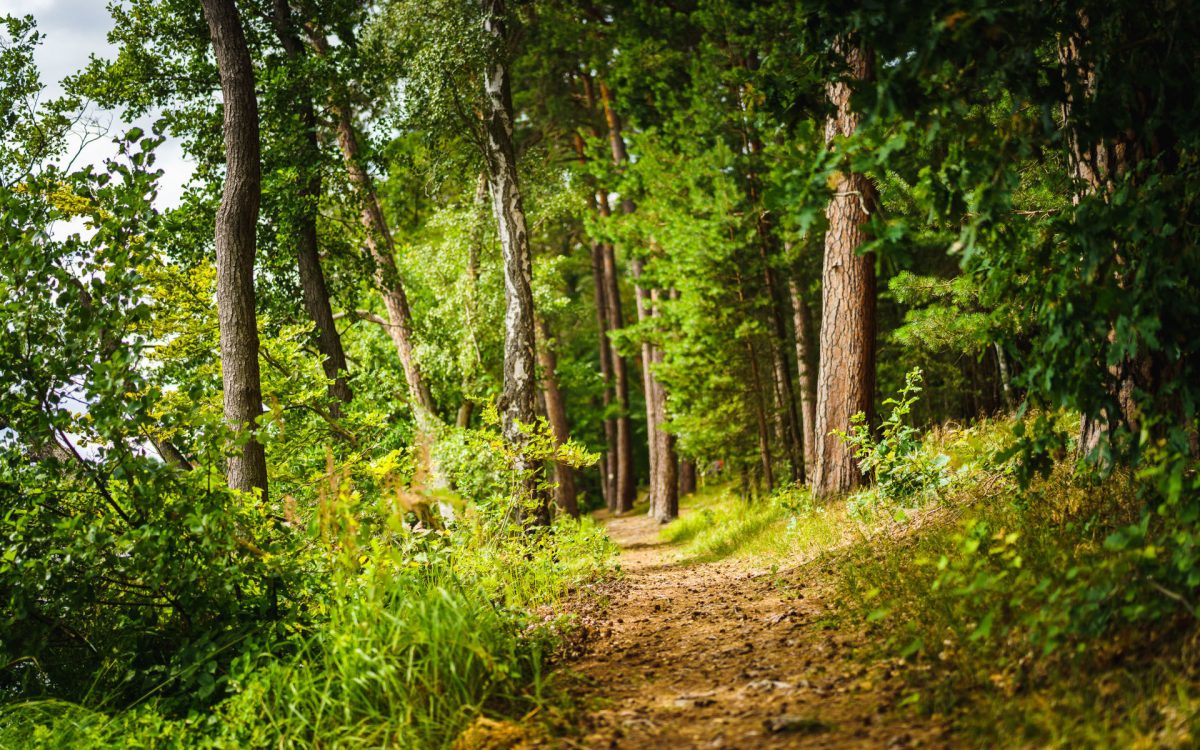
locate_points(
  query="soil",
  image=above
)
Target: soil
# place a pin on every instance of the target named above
(721, 656)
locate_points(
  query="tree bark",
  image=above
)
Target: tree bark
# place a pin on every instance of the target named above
(666, 463)
(846, 375)
(565, 492)
(313, 289)
(644, 311)
(802, 323)
(237, 221)
(520, 374)
(687, 477)
(381, 248)
(608, 462)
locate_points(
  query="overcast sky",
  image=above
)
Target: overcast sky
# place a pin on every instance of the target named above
(73, 31)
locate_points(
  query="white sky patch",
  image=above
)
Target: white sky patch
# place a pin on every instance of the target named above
(73, 31)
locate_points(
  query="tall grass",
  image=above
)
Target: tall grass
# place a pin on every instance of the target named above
(403, 658)
(784, 527)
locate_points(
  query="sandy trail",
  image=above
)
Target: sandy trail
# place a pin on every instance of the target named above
(719, 656)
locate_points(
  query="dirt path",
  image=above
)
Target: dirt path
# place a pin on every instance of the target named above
(719, 656)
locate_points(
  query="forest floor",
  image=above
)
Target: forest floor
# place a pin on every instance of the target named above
(721, 655)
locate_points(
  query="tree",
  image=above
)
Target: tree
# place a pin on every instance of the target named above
(846, 374)
(517, 399)
(235, 240)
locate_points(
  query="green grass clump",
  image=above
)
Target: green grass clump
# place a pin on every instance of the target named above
(786, 526)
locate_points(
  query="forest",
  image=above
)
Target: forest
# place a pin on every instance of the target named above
(602, 374)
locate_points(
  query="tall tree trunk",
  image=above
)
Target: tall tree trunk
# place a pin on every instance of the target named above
(846, 376)
(1098, 166)
(666, 463)
(520, 373)
(785, 414)
(644, 311)
(802, 323)
(764, 440)
(381, 248)
(565, 493)
(608, 462)
(626, 484)
(620, 156)
(237, 221)
(313, 289)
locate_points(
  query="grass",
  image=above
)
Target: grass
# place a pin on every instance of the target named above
(404, 658)
(717, 524)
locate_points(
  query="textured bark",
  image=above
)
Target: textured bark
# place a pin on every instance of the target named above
(235, 240)
(381, 248)
(802, 324)
(520, 375)
(313, 289)
(565, 493)
(846, 376)
(1097, 167)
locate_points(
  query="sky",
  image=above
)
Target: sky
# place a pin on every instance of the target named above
(74, 30)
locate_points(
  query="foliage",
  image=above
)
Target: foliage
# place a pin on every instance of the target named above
(903, 469)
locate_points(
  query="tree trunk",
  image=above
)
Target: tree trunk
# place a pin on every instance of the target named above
(381, 248)
(666, 465)
(313, 290)
(520, 373)
(237, 221)
(626, 485)
(608, 462)
(620, 156)
(687, 477)
(565, 493)
(802, 322)
(644, 311)
(764, 440)
(846, 375)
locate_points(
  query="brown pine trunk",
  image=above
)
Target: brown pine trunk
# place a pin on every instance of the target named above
(764, 440)
(626, 485)
(687, 477)
(608, 462)
(235, 240)
(313, 290)
(517, 398)
(381, 248)
(642, 298)
(565, 492)
(846, 375)
(666, 464)
(802, 322)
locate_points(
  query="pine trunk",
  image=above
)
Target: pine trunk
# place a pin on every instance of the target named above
(565, 492)
(802, 323)
(846, 375)
(687, 477)
(237, 220)
(666, 463)
(518, 395)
